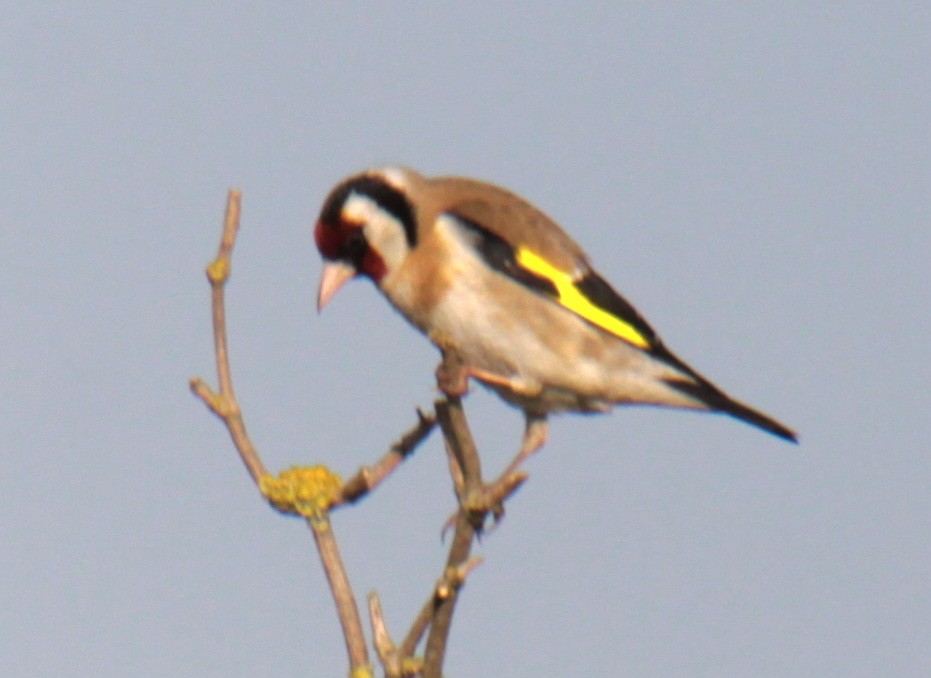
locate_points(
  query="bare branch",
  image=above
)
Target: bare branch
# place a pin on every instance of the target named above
(313, 492)
(369, 477)
(456, 431)
(452, 579)
(346, 607)
(384, 645)
(224, 403)
(310, 486)
(418, 628)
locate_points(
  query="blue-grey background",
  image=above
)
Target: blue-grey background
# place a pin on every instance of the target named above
(755, 178)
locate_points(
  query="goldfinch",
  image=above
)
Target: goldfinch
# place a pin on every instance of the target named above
(483, 272)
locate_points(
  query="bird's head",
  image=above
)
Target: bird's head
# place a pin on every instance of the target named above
(367, 226)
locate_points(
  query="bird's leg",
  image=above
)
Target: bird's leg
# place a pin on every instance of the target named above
(452, 377)
(535, 435)
(514, 384)
(490, 497)
(493, 494)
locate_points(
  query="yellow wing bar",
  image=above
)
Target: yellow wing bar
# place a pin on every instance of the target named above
(578, 303)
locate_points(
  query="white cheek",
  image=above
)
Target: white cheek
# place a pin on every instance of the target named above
(386, 234)
(382, 231)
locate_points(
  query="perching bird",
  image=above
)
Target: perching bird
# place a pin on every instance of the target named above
(483, 272)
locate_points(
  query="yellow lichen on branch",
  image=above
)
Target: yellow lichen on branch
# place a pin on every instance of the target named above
(302, 490)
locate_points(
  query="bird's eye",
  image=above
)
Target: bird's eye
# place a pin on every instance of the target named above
(355, 247)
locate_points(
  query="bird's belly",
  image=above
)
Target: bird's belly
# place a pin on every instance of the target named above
(542, 356)
(555, 360)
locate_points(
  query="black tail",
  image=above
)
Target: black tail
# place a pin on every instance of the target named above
(704, 391)
(760, 420)
(717, 400)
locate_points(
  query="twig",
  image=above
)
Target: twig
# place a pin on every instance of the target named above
(384, 645)
(313, 492)
(419, 627)
(459, 439)
(369, 477)
(395, 663)
(346, 607)
(225, 405)
(453, 578)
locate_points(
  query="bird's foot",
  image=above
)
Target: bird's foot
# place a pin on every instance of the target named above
(487, 500)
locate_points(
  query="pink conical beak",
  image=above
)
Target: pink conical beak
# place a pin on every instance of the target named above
(335, 275)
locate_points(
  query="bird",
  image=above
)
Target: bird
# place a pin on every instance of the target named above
(486, 275)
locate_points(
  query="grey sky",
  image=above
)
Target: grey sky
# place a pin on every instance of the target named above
(755, 180)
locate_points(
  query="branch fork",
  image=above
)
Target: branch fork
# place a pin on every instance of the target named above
(313, 491)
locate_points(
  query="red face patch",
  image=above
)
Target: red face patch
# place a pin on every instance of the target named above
(373, 265)
(330, 239)
(346, 241)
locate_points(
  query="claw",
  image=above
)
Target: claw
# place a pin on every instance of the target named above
(489, 499)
